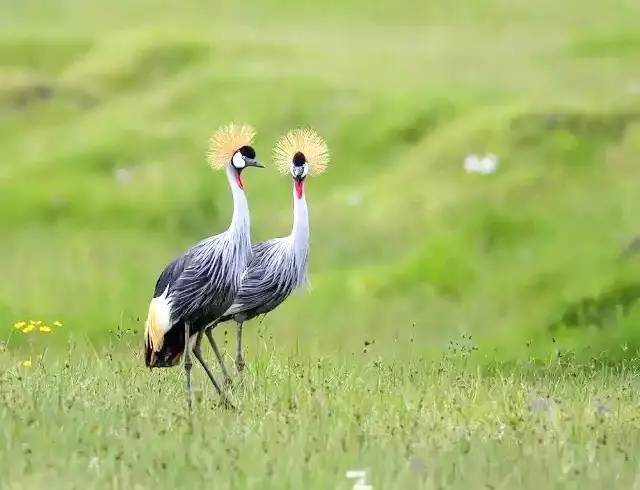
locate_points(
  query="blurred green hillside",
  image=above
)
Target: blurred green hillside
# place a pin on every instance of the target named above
(105, 112)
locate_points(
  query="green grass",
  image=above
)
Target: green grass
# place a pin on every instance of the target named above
(104, 120)
(96, 420)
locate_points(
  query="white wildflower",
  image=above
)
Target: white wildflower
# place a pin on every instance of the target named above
(360, 477)
(474, 164)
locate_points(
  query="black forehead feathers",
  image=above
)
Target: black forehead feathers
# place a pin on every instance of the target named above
(299, 159)
(247, 151)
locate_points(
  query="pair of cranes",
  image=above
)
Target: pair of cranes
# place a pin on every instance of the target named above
(224, 277)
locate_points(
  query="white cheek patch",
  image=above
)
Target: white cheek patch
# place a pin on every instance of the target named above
(238, 161)
(305, 170)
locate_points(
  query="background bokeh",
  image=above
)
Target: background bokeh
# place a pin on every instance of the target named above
(105, 112)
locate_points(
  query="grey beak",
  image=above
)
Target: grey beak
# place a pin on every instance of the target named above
(252, 162)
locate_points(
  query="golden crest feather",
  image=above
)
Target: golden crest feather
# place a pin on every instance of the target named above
(306, 141)
(226, 141)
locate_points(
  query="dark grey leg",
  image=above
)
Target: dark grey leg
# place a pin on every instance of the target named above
(187, 363)
(216, 351)
(198, 354)
(239, 358)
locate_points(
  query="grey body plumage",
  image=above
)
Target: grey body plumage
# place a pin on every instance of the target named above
(208, 284)
(276, 269)
(202, 282)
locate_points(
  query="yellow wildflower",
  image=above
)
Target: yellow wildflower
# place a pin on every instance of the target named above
(19, 325)
(38, 322)
(57, 323)
(28, 328)
(45, 328)
(27, 363)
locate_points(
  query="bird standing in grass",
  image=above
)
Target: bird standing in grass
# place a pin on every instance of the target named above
(278, 266)
(199, 286)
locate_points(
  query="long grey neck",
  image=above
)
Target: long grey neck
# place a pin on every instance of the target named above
(240, 226)
(300, 234)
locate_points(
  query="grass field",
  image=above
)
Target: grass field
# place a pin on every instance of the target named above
(104, 120)
(97, 421)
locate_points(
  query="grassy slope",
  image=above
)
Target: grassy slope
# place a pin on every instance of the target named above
(401, 235)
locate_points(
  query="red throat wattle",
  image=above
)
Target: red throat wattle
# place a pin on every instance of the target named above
(299, 188)
(239, 180)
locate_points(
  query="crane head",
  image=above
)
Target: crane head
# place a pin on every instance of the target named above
(244, 157)
(231, 145)
(299, 166)
(301, 152)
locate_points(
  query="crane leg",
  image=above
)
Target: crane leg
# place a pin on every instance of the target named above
(216, 351)
(239, 358)
(198, 353)
(187, 363)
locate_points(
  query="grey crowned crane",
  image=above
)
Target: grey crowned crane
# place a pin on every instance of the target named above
(278, 266)
(199, 285)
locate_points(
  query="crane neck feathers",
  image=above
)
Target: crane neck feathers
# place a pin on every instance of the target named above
(300, 228)
(239, 232)
(240, 222)
(300, 236)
